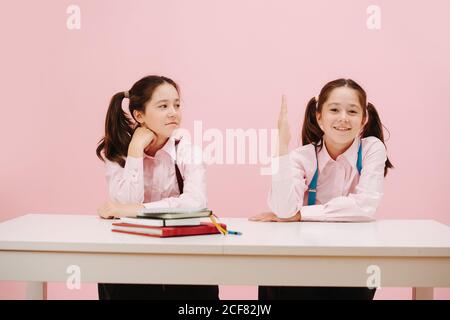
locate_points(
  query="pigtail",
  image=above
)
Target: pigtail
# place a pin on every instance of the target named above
(374, 128)
(311, 132)
(118, 132)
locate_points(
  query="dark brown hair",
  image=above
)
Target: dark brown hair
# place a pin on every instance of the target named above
(119, 127)
(311, 131)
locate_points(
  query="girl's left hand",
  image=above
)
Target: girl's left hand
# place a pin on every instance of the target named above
(111, 210)
(272, 217)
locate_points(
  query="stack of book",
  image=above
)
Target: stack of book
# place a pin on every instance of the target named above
(166, 222)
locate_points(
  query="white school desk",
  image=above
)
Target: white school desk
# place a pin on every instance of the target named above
(39, 248)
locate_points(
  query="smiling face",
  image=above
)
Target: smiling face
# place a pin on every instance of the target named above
(341, 118)
(162, 113)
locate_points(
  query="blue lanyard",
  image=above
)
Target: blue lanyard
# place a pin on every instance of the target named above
(312, 188)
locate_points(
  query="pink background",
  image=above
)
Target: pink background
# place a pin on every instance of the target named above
(233, 60)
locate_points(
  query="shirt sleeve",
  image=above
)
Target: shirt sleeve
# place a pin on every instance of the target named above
(288, 185)
(126, 185)
(194, 178)
(360, 205)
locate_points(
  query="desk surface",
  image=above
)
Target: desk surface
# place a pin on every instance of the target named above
(88, 233)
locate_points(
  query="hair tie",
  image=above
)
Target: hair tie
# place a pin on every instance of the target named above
(126, 94)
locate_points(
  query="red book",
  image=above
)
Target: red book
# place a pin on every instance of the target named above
(162, 232)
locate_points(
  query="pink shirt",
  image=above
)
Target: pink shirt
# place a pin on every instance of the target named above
(153, 182)
(342, 194)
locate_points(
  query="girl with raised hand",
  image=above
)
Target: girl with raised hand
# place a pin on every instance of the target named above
(337, 175)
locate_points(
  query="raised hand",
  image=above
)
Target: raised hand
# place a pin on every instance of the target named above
(284, 132)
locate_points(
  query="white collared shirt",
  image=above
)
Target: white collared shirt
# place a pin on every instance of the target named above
(342, 194)
(153, 182)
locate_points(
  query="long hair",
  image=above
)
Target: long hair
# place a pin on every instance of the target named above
(311, 131)
(119, 126)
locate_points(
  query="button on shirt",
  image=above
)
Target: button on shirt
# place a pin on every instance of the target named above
(153, 182)
(342, 193)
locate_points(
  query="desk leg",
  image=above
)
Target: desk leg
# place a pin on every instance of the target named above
(36, 291)
(422, 293)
